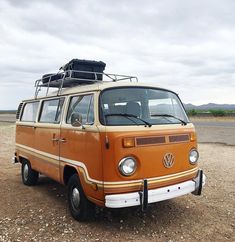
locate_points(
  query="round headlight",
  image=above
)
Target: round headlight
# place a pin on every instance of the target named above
(127, 166)
(193, 156)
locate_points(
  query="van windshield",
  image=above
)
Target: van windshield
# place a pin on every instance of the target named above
(140, 106)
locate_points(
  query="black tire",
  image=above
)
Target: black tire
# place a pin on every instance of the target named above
(29, 176)
(80, 207)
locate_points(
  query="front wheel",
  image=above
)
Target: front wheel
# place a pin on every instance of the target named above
(29, 176)
(80, 207)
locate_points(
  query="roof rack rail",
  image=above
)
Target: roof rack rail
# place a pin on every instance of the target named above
(72, 78)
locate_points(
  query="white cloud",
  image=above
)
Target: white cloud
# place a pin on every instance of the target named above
(184, 45)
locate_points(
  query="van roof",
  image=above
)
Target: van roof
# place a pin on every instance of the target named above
(97, 86)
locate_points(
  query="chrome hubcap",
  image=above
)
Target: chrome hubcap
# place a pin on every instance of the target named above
(26, 171)
(75, 198)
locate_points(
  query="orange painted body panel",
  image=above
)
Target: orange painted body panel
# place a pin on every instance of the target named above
(84, 146)
(149, 158)
(25, 135)
(44, 142)
(80, 146)
(40, 138)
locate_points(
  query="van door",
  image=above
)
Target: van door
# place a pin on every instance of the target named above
(47, 137)
(80, 146)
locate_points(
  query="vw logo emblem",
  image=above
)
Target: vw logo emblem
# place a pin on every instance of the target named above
(168, 160)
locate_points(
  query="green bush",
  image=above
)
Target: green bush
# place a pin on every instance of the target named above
(217, 112)
(192, 112)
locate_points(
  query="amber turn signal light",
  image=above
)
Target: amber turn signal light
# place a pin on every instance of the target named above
(193, 136)
(128, 142)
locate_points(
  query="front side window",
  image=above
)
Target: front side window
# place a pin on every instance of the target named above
(138, 105)
(84, 105)
(51, 111)
(30, 112)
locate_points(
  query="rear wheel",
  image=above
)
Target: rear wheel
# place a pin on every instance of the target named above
(29, 176)
(80, 207)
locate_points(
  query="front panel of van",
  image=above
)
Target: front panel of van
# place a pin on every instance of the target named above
(160, 150)
(149, 158)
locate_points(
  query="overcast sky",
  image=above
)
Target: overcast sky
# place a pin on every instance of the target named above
(185, 45)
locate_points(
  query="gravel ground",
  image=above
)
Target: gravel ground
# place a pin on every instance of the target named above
(40, 213)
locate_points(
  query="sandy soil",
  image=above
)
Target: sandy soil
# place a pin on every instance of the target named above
(40, 213)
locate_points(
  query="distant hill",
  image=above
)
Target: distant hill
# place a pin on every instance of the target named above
(7, 111)
(210, 106)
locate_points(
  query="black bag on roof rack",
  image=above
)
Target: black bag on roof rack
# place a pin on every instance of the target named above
(78, 66)
(51, 77)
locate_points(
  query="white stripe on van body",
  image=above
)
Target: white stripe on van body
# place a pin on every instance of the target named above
(82, 165)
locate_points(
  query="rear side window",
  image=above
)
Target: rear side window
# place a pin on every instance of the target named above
(83, 104)
(30, 112)
(51, 111)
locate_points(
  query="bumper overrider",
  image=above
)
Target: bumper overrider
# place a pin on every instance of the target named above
(146, 196)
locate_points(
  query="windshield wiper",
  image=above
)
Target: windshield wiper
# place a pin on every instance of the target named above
(126, 115)
(169, 116)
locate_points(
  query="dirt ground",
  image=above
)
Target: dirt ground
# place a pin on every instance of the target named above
(40, 213)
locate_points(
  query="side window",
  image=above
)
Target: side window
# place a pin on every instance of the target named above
(51, 111)
(90, 116)
(30, 112)
(83, 104)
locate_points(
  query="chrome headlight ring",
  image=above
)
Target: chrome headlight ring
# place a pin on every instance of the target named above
(193, 156)
(127, 166)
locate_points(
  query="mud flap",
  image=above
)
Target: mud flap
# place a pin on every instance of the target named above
(198, 183)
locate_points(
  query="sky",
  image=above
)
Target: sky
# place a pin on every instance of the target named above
(187, 46)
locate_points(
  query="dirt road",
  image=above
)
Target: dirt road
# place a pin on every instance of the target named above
(40, 213)
(216, 130)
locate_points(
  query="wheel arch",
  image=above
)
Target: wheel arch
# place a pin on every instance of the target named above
(69, 171)
(23, 158)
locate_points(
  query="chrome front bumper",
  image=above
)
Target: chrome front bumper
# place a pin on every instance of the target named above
(156, 195)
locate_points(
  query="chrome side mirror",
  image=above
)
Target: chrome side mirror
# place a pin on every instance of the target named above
(76, 120)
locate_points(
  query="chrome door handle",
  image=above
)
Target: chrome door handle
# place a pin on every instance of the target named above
(63, 140)
(55, 140)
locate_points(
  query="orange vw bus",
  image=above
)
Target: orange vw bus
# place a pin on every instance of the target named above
(116, 143)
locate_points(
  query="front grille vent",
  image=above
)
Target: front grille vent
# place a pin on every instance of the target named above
(179, 138)
(150, 140)
(157, 140)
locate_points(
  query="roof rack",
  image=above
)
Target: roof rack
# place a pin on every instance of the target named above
(68, 78)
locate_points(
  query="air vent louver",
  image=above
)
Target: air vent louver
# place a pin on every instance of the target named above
(19, 110)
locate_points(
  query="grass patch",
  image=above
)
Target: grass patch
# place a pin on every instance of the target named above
(211, 113)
